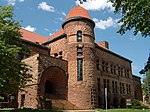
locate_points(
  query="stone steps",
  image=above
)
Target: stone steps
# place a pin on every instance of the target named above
(62, 105)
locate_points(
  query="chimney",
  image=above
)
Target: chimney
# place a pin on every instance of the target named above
(104, 44)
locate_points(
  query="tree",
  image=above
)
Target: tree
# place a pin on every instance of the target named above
(14, 74)
(146, 81)
(135, 15)
(81, 1)
(147, 67)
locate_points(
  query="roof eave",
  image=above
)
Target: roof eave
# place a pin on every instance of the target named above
(78, 18)
(54, 39)
(34, 44)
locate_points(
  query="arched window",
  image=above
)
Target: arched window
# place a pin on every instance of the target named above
(48, 87)
(79, 36)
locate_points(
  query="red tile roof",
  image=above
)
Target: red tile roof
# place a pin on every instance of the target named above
(33, 37)
(78, 11)
(103, 44)
(60, 32)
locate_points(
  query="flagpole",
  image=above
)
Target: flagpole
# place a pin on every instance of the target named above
(106, 98)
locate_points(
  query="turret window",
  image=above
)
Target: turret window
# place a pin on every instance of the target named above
(79, 51)
(79, 36)
(79, 67)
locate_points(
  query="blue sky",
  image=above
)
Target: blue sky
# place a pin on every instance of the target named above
(45, 17)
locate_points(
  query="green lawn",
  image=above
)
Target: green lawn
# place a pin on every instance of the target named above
(124, 110)
(25, 110)
(109, 110)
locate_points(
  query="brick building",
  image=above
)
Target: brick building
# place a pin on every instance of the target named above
(71, 70)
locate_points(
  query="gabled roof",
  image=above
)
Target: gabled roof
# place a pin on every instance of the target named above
(30, 36)
(57, 34)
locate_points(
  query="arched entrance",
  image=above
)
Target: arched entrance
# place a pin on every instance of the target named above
(138, 93)
(115, 103)
(123, 103)
(53, 83)
(49, 89)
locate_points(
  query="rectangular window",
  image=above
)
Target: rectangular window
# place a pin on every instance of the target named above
(113, 87)
(123, 88)
(127, 73)
(120, 88)
(122, 72)
(104, 82)
(114, 69)
(106, 66)
(103, 66)
(98, 83)
(111, 67)
(22, 100)
(127, 89)
(79, 51)
(79, 66)
(119, 71)
(116, 90)
(97, 64)
(108, 85)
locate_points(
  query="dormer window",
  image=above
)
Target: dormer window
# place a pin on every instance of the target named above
(79, 36)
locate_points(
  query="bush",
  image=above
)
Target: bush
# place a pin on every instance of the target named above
(137, 105)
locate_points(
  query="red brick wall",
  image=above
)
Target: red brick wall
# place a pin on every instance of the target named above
(81, 93)
(39, 63)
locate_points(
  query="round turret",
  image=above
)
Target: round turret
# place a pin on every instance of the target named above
(79, 29)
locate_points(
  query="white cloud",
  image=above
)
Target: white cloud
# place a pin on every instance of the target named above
(134, 68)
(96, 5)
(46, 29)
(46, 7)
(64, 14)
(30, 28)
(103, 24)
(132, 37)
(61, 19)
(21, 0)
(13, 2)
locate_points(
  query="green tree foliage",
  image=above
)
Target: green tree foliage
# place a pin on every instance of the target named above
(81, 1)
(135, 15)
(147, 66)
(146, 80)
(14, 74)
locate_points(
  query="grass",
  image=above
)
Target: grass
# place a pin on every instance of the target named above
(124, 110)
(26, 110)
(37, 110)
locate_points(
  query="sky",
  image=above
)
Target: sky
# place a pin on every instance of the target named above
(45, 17)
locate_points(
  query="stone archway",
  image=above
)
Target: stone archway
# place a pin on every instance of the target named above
(115, 103)
(53, 83)
(123, 103)
(138, 93)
